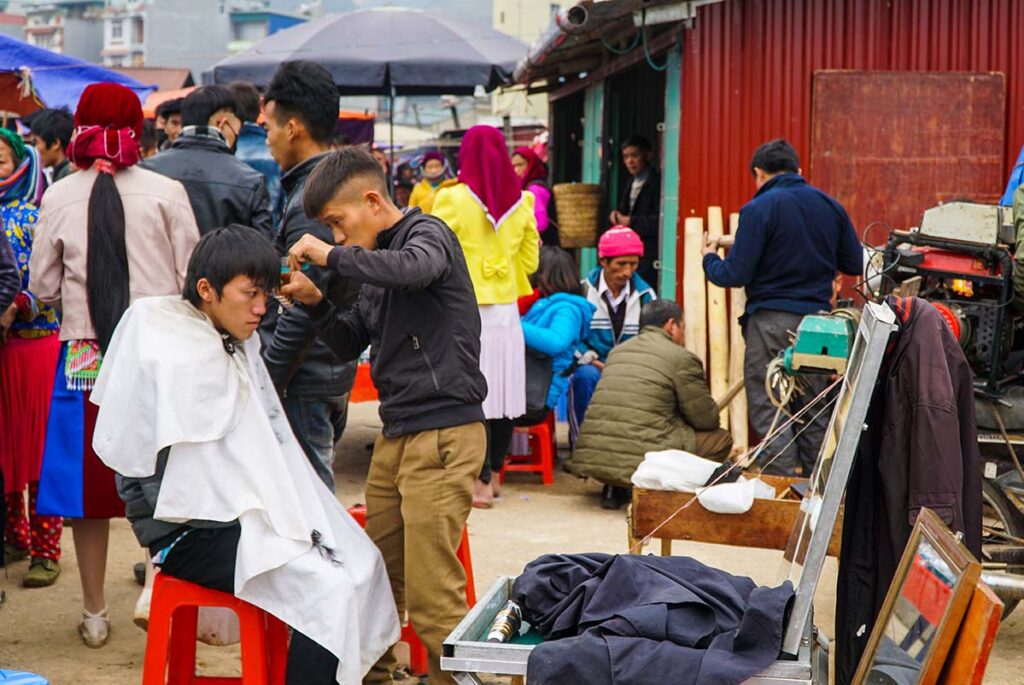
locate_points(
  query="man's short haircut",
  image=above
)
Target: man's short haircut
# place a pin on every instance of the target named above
(53, 125)
(335, 171)
(305, 91)
(247, 100)
(147, 141)
(638, 141)
(169, 107)
(659, 312)
(774, 157)
(224, 253)
(205, 101)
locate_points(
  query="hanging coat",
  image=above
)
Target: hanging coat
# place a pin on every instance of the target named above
(920, 449)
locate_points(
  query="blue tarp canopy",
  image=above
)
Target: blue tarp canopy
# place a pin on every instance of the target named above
(58, 79)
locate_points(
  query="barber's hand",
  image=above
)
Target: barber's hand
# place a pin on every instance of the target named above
(310, 249)
(613, 218)
(298, 287)
(710, 245)
(624, 219)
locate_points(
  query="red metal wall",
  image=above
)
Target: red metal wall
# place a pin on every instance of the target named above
(748, 64)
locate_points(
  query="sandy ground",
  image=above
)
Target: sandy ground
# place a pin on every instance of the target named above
(37, 627)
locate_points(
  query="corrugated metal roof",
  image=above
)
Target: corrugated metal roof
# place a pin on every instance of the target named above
(748, 65)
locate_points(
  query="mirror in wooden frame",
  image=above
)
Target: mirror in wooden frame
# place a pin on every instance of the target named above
(923, 609)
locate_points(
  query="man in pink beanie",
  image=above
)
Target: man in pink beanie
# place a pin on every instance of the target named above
(619, 293)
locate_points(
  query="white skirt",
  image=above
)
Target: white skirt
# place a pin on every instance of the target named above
(503, 361)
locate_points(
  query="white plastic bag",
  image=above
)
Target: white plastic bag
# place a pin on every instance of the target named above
(673, 470)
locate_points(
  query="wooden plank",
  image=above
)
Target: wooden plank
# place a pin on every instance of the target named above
(737, 348)
(969, 655)
(694, 289)
(718, 324)
(767, 525)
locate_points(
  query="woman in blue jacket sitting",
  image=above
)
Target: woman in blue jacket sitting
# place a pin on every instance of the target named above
(557, 322)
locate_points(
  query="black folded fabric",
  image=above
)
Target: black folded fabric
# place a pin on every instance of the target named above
(639, 620)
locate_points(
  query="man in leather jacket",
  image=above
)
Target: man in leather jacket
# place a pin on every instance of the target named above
(222, 190)
(301, 110)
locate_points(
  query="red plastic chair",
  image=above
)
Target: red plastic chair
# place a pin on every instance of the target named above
(541, 457)
(171, 639)
(417, 650)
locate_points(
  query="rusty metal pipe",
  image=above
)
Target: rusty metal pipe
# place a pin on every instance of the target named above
(1009, 587)
(568, 21)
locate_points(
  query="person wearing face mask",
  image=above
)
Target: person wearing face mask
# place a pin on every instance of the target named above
(436, 174)
(222, 189)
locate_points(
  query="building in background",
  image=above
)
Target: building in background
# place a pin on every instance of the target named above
(193, 34)
(526, 20)
(12, 25)
(68, 27)
(251, 25)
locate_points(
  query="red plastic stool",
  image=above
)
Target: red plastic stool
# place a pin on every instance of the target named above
(541, 459)
(417, 650)
(171, 639)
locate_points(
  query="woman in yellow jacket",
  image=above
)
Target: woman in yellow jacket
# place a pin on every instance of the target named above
(495, 224)
(436, 176)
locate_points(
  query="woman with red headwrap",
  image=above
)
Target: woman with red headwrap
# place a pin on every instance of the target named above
(106, 236)
(493, 219)
(533, 174)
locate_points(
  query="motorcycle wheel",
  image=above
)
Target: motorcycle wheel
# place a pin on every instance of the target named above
(999, 520)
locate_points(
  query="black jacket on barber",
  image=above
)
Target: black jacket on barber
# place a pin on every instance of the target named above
(222, 190)
(298, 362)
(417, 310)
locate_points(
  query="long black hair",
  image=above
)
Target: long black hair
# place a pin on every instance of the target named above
(556, 273)
(106, 282)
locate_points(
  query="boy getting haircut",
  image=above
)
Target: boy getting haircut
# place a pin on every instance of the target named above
(224, 253)
(215, 484)
(417, 311)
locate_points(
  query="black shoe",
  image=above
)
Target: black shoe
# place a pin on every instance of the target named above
(139, 571)
(610, 497)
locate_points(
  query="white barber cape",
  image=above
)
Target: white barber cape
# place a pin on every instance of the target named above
(167, 380)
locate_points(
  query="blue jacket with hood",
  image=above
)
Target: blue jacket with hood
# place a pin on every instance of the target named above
(554, 326)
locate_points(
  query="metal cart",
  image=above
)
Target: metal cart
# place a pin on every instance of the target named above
(804, 657)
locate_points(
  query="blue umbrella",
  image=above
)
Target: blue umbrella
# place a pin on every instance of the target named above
(386, 51)
(59, 80)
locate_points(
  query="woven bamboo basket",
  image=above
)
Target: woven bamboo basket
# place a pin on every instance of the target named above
(579, 209)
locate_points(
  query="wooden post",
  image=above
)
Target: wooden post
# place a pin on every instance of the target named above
(718, 324)
(694, 289)
(737, 348)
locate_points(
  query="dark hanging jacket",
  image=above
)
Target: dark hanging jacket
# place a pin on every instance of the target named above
(920, 449)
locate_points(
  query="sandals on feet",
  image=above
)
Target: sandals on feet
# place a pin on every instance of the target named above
(94, 628)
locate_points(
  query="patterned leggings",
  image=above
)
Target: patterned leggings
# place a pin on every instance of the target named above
(42, 536)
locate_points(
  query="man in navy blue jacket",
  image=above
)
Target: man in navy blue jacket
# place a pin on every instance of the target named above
(792, 239)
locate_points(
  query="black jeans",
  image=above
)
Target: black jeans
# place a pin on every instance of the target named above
(499, 437)
(206, 557)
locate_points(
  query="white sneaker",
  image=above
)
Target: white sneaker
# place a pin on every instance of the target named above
(141, 615)
(94, 628)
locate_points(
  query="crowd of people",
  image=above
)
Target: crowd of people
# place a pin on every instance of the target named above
(170, 289)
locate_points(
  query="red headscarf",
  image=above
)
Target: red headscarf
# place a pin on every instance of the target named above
(486, 167)
(108, 124)
(536, 170)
